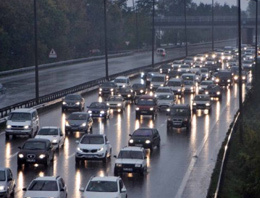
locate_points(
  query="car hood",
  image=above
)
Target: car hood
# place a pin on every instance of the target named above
(48, 137)
(76, 122)
(90, 146)
(128, 161)
(71, 101)
(164, 102)
(100, 194)
(97, 109)
(41, 194)
(2, 183)
(18, 123)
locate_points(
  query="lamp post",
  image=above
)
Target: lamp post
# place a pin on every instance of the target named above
(212, 12)
(185, 22)
(105, 32)
(153, 13)
(256, 39)
(36, 55)
(136, 26)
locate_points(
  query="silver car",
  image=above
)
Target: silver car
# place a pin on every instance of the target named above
(7, 182)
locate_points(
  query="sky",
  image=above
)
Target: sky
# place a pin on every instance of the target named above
(244, 3)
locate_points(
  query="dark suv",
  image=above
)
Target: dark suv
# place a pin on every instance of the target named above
(107, 88)
(73, 102)
(35, 151)
(179, 116)
(224, 78)
(146, 105)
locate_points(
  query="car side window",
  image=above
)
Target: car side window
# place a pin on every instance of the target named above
(9, 175)
(61, 132)
(61, 183)
(106, 138)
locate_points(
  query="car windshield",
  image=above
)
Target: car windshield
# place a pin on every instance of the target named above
(48, 131)
(131, 155)
(146, 102)
(92, 140)
(108, 84)
(2, 175)
(102, 186)
(35, 145)
(73, 97)
(174, 83)
(120, 80)
(179, 112)
(19, 116)
(115, 99)
(188, 77)
(165, 97)
(143, 132)
(206, 83)
(188, 82)
(98, 105)
(158, 79)
(138, 86)
(201, 98)
(77, 116)
(163, 90)
(43, 186)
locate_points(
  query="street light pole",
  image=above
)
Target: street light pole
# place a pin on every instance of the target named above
(212, 12)
(256, 39)
(185, 21)
(136, 26)
(153, 33)
(105, 31)
(36, 55)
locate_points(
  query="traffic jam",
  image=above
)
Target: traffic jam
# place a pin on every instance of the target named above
(157, 91)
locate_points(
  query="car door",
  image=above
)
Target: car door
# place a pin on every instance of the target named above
(122, 189)
(62, 188)
(155, 138)
(108, 145)
(62, 137)
(10, 181)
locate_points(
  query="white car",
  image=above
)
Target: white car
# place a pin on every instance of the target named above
(163, 90)
(7, 182)
(93, 147)
(176, 85)
(116, 103)
(104, 187)
(52, 133)
(202, 102)
(204, 85)
(130, 159)
(165, 101)
(122, 81)
(48, 186)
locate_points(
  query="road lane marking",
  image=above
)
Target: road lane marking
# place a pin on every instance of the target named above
(70, 156)
(11, 156)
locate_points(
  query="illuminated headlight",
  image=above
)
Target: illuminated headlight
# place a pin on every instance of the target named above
(151, 85)
(141, 91)
(100, 89)
(243, 77)
(119, 105)
(77, 103)
(67, 123)
(89, 111)
(200, 88)
(9, 126)
(161, 85)
(118, 165)
(217, 80)
(108, 104)
(142, 74)
(26, 127)
(83, 124)
(131, 91)
(169, 70)
(129, 95)
(131, 141)
(207, 104)
(112, 89)
(168, 110)
(218, 93)
(101, 149)
(137, 108)
(2, 188)
(147, 141)
(229, 80)
(179, 69)
(151, 109)
(179, 90)
(206, 92)
(155, 95)
(42, 156)
(64, 103)
(102, 112)
(197, 78)
(192, 88)
(54, 141)
(21, 156)
(236, 77)
(123, 86)
(138, 165)
(79, 149)
(160, 70)
(194, 104)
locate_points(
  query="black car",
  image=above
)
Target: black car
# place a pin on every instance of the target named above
(139, 89)
(223, 78)
(99, 110)
(126, 92)
(145, 137)
(179, 116)
(35, 151)
(107, 88)
(214, 91)
(73, 102)
(243, 76)
(78, 121)
(165, 69)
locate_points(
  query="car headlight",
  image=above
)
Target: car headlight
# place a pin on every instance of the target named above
(151, 109)
(228, 80)
(151, 85)
(100, 89)
(138, 165)
(206, 92)
(42, 156)
(131, 141)
(207, 104)
(194, 104)
(26, 127)
(217, 79)
(101, 149)
(179, 90)
(79, 149)
(9, 126)
(21, 156)
(118, 165)
(129, 95)
(67, 123)
(2, 188)
(168, 110)
(102, 112)
(200, 88)
(64, 103)
(54, 141)
(111, 89)
(191, 88)
(108, 104)
(119, 105)
(83, 124)
(160, 70)
(123, 86)
(141, 91)
(236, 77)
(161, 85)
(137, 108)
(89, 111)
(77, 103)
(243, 77)
(218, 93)
(147, 141)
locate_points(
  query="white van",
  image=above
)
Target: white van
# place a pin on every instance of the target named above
(158, 80)
(122, 81)
(23, 121)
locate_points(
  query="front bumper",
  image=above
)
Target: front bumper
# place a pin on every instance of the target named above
(145, 112)
(76, 128)
(128, 168)
(92, 156)
(18, 132)
(32, 161)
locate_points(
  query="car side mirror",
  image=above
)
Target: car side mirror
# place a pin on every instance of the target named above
(123, 190)
(62, 189)
(130, 135)
(24, 189)
(10, 179)
(77, 141)
(81, 189)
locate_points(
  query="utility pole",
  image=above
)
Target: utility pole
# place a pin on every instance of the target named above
(212, 12)
(185, 19)
(105, 31)
(36, 55)
(153, 33)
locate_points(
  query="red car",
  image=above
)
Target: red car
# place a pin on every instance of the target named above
(146, 105)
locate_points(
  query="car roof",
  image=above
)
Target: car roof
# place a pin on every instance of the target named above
(105, 178)
(24, 110)
(181, 106)
(53, 178)
(132, 148)
(3, 168)
(50, 127)
(146, 97)
(122, 77)
(37, 140)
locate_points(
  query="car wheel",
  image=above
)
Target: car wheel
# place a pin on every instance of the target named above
(194, 111)
(6, 136)
(77, 161)
(104, 160)
(116, 173)
(137, 116)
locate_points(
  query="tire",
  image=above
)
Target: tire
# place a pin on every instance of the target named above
(104, 160)
(116, 173)
(194, 111)
(91, 129)
(6, 136)
(77, 161)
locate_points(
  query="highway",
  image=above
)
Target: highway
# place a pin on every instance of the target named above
(182, 167)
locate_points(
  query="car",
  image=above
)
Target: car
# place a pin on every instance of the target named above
(161, 52)
(35, 151)
(24, 121)
(73, 102)
(52, 133)
(205, 74)
(164, 101)
(157, 80)
(224, 78)
(163, 90)
(189, 86)
(131, 159)
(165, 69)
(139, 89)
(116, 103)
(201, 102)
(243, 76)
(146, 105)
(188, 77)
(203, 85)
(214, 91)
(200, 57)
(247, 64)
(189, 61)
(2, 89)
(179, 116)
(47, 186)
(122, 81)
(177, 86)
(126, 92)
(184, 69)
(145, 137)
(99, 110)
(93, 147)
(104, 187)
(78, 121)
(149, 76)
(107, 88)
(7, 183)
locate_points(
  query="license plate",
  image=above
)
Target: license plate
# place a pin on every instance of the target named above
(127, 169)
(30, 160)
(138, 145)
(143, 111)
